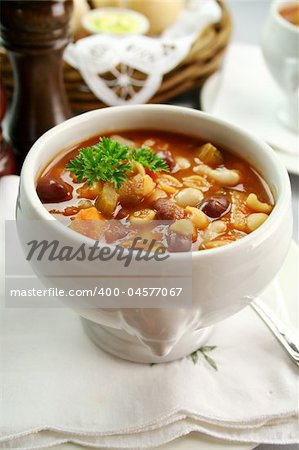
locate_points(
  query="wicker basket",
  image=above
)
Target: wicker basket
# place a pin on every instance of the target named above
(204, 58)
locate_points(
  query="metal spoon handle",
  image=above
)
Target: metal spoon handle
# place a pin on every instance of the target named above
(283, 334)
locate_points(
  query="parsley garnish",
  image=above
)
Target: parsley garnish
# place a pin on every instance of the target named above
(109, 160)
(149, 159)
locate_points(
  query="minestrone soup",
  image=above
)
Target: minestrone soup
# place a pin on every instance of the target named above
(204, 192)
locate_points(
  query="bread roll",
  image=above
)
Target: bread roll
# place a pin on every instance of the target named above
(104, 3)
(160, 13)
(81, 7)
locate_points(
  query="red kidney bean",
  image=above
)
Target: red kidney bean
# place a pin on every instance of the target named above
(166, 155)
(215, 206)
(167, 209)
(71, 211)
(178, 242)
(53, 190)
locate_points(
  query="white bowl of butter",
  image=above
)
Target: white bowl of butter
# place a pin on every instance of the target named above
(115, 21)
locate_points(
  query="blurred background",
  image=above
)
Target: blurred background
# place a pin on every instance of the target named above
(248, 17)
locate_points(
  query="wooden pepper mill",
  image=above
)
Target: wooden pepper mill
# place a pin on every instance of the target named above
(35, 33)
(7, 158)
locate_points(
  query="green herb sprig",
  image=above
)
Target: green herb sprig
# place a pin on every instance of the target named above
(149, 159)
(108, 160)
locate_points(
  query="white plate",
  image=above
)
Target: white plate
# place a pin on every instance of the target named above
(208, 98)
(285, 308)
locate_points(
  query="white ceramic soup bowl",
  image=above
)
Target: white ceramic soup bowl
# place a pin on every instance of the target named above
(224, 279)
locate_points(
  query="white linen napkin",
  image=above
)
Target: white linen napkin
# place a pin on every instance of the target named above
(58, 387)
(249, 97)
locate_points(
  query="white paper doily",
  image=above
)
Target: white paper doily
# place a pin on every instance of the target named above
(108, 64)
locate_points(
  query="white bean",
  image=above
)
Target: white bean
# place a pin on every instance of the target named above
(255, 205)
(215, 244)
(157, 193)
(218, 226)
(197, 182)
(214, 230)
(255, 220)
(148, 185)
(182, 163)
(169, 184)
(221, 175)
(182, 226)
(197, 217)
(189, 197)
(142, 216)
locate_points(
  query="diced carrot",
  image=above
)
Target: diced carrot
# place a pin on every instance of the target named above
(89, 222)
(88, 214)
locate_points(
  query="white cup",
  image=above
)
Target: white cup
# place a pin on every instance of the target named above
(280, 45)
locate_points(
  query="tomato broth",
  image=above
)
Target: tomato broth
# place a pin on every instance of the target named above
(209, 195)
